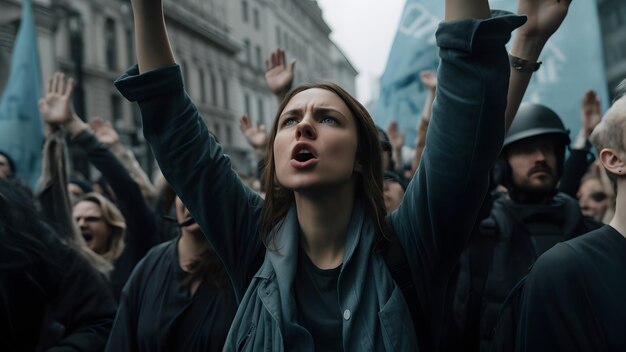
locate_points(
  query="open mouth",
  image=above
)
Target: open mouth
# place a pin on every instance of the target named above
(303, 155)
(87, 237)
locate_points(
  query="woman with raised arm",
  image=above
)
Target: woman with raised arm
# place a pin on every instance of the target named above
(305, 263)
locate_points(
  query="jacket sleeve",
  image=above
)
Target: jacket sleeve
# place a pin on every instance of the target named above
(195, 165)
(123, 335)
(464, 138)
(141, 229)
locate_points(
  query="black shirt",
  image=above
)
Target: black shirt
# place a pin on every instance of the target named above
(317, 303)
(574, 298)
(157, 312)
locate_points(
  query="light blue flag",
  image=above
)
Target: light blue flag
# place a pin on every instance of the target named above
(21, 132)
(572, 63)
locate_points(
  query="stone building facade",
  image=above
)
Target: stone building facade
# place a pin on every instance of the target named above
(221, 46)
(612, 15)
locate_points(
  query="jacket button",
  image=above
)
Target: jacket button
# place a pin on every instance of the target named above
(346, 314)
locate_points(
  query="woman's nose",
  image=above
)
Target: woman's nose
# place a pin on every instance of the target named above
(305, 129)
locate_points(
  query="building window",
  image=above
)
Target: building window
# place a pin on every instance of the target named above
(225, 91)
(202, 85)
(183, 68)
(213, 89)
(116, 111)
(229, 135)
(247, 50)
(244, 10)
(259, 57)
(130, 49)
(256, 19)
(218, 131)
(246, 104)
(111, 43)
(261, 111)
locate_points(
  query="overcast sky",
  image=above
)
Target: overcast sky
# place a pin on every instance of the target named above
(364, 30)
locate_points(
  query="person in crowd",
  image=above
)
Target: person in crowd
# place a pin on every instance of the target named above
(7, 165)
(396, 140)
(106, 134)
(178, 298)
(51, 298)
(596, 196)
(388, 162)
(77, 187)
(303, 263)
(572, 299)
(393, 191)
(429, 80)
(580, 157)
(140, 223)
(101, 224)
(520, 227)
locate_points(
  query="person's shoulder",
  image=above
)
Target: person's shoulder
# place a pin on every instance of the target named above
(559, 265)
(157, 252)
(152, 259)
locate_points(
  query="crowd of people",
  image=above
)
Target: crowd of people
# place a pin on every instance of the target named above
(499, 234)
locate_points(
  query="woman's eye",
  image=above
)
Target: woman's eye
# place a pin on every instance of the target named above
(289, 122)
(329, 120)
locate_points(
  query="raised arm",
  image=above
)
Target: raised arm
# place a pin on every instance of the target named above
(106, 134)
(153, 46)
(429, 80)
(544, 18)
(279, 74)
(465, 136)
(580, 158)
(189, 157)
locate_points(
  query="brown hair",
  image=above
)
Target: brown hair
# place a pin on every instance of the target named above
(114, 220)
(369, 184)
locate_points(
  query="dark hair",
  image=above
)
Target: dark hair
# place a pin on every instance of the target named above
(209, 268)
(24, 237)
(386, 147)
(10, 161)
(369, 183)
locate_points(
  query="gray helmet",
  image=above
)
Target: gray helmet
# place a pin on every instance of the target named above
(535, 120)
(532, 120)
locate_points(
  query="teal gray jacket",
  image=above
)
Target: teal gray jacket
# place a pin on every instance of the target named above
(432, 224)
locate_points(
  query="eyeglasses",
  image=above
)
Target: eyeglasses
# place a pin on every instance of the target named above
(89, 219)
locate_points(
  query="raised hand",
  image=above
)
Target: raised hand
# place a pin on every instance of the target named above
(429, 79)
(104, 131)
(278, 74)
(544, 16)
(56, 105)
(256, 135)
(395, 137)
(590, 112)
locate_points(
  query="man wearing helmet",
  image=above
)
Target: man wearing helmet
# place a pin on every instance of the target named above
(520, 227)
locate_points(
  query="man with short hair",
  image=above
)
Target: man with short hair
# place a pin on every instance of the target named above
(573, 298)
(533, 218)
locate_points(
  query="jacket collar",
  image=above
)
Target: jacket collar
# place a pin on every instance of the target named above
(281, 259)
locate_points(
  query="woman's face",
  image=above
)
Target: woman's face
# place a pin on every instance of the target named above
(316, 142)
(592, 199)
(95, 230)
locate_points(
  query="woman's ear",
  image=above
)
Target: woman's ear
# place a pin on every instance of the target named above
(612, 161)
